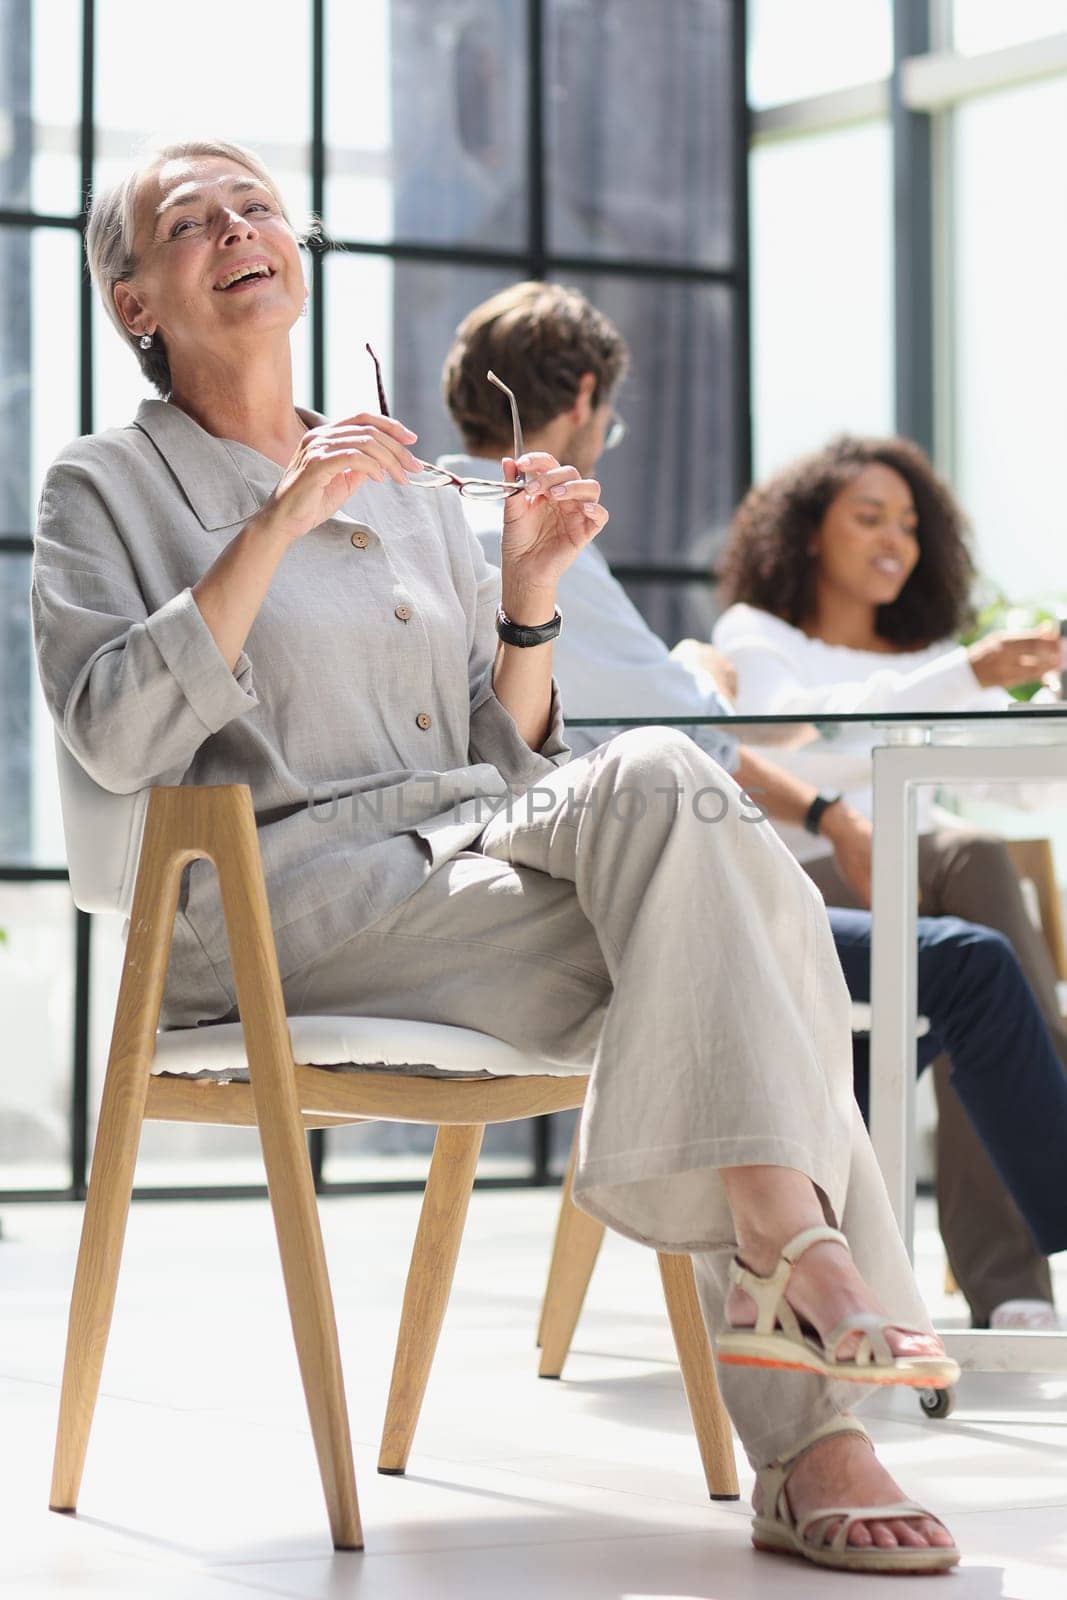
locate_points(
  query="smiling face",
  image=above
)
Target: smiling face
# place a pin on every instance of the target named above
(217, 261)
(867, 545)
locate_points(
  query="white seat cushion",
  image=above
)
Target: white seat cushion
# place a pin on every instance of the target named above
(861, 1020)
(377, 1044)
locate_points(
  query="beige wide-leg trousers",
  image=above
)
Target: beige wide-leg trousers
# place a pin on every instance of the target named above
(628, 916)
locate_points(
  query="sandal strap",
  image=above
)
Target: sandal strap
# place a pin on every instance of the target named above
(772, 1478)
(873, 1349)
(800, 1242)
(769, 1295)
(900, 1510)
(769, 1292)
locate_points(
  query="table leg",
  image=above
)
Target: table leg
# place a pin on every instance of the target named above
(894, 960)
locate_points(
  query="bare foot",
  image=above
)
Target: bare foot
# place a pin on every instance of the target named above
(844, 1470)
(825, 1286)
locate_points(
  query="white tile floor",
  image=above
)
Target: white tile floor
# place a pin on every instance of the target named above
(201, 1483)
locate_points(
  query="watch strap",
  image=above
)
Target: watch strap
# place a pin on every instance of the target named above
(515, 633)
(821, 804)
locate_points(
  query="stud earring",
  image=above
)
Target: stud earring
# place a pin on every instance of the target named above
(304, 307)
(146, 341)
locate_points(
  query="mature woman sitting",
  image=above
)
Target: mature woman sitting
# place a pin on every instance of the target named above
(234, 589)
(847, 577)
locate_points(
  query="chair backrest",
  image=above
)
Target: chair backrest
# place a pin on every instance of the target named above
(103, 833)
(1034, 863)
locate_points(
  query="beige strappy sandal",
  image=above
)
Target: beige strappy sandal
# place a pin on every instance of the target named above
(778, 1532)
(777, 1340)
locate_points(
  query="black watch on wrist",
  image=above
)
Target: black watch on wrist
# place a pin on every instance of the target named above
(514, 633)
(822, 803)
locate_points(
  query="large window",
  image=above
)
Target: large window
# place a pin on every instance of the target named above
(822, 224)
(798, 51)
(981, 25)
(907, 245)
(1009, 332)
(822, 290)
(450, 149)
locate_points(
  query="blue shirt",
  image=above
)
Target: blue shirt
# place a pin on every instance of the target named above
(607, 660)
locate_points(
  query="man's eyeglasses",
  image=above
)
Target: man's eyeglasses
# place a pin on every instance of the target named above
(431, 477)
(617, 431)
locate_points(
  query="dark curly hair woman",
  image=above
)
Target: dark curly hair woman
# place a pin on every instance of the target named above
(789, 536)
(847, 575)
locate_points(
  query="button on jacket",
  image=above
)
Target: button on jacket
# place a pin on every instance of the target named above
(366, 745)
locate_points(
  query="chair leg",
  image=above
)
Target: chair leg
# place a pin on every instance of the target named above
(291, 1188)
(429, 1283)
(290, 1183)
(574, 1253)
(555, 1264)
(107, 1205)
(710, 1421)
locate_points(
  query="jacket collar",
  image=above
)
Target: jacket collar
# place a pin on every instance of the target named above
(209, 474)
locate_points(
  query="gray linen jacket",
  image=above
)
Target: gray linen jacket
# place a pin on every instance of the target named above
(361, 713)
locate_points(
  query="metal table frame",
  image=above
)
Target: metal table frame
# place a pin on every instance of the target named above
(900, 767)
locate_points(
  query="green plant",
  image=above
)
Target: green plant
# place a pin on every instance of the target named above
(995, 613)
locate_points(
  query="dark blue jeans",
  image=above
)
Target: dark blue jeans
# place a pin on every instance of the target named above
(1005, 1069)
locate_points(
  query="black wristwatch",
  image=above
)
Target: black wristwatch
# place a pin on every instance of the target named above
(822, 803)
(515, 633)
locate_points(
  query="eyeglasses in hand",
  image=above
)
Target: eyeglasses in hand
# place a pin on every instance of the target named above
(431, 477)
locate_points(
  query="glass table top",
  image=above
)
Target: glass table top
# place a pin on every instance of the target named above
(1021, 723)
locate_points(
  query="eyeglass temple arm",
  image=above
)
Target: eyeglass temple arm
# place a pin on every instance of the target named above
(382, 401)
(520, 448)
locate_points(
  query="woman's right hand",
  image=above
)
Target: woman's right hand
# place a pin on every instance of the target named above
(1006, 660)
(330, 463)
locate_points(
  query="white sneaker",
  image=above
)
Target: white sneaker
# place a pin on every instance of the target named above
(1033, 1316)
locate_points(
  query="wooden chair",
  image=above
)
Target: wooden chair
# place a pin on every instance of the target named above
(574, 1252)
(282, 1075)
(1034, 863)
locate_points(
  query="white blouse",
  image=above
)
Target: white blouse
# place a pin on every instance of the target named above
(780, 670)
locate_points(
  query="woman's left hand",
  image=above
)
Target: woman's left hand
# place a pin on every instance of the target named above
(549, 524)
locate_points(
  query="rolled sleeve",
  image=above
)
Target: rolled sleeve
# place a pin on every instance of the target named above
(189, 650)
(495, 738)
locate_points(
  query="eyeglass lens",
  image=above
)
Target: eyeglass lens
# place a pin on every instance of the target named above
(430, 477)
(617, 431)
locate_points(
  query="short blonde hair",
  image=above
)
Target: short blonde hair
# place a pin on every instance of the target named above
(109, 240)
